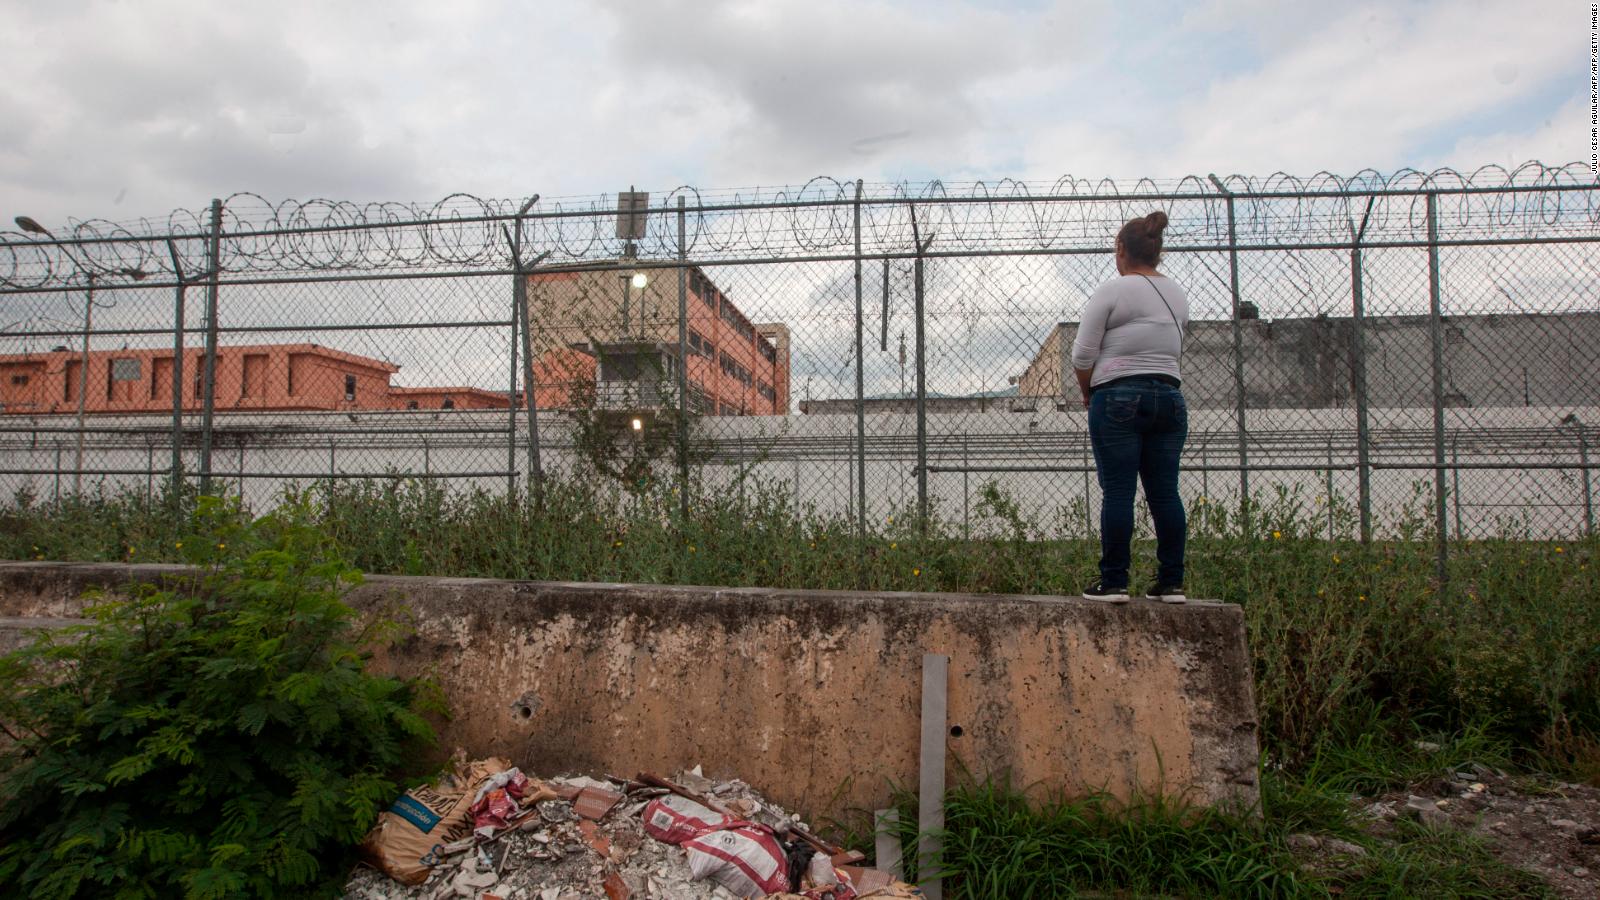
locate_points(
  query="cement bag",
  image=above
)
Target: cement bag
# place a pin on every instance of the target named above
(676, 819)
(424, 819)
(744, 858)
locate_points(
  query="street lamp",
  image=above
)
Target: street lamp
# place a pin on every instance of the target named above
(33, 227)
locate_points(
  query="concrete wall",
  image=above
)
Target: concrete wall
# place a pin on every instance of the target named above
(1489, 361)
(813, 697)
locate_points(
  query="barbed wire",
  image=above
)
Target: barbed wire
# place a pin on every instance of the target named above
(463, 232)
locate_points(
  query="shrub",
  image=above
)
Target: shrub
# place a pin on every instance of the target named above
(214, 737)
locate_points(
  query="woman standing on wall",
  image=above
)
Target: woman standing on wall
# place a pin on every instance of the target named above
(1126, 356)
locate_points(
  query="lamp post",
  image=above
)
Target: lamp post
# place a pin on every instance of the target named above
(634, 280)
(33, 227)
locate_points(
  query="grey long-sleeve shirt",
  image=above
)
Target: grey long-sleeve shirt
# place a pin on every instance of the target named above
(1126, 330)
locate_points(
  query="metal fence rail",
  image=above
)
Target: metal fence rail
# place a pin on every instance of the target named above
(1380, 348)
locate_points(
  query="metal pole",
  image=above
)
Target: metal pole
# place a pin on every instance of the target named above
(683, 362)
(511, 391)
(883, 337)
(56, 495)
(1358, 360)
(861, 402)
(1455, 482)
(966, 498)
(1588, 496)
(83, 384)
(922, 379)
(1088, 501)
(1330, 489)
(1238, 360)
(1436, 333)
(208, 410)
(529, 387)
(178, 314)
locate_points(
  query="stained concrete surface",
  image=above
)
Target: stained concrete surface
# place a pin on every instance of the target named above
(810, 696)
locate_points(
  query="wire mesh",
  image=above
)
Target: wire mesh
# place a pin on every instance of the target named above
(1408, 355)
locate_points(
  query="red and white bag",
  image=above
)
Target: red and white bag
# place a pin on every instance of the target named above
(744, 858)
(676, 819)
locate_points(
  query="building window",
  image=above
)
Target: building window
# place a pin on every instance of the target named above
(768, 351)
(449, 403)
(19, 380)
(350, 388)
(125, 370)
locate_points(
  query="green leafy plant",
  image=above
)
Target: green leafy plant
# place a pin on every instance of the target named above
(217, 735)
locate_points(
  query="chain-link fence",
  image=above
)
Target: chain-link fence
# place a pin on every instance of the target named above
(1398, 356)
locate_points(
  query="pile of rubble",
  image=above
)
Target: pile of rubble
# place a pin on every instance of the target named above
(488, 832)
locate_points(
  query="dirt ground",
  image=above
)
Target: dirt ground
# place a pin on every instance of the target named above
(1549, 828)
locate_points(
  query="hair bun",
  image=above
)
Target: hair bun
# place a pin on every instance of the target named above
(1156, 222)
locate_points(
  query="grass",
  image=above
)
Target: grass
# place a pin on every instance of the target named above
(997, 843)
(1359, 652)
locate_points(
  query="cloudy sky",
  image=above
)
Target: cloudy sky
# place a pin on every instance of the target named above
(124, 109)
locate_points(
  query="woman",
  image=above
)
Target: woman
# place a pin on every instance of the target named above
(1126, 356)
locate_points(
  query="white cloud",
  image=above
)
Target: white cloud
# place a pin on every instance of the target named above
(121, 109)
(1365, 87)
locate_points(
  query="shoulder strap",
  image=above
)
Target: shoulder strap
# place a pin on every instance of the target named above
(1169, 311)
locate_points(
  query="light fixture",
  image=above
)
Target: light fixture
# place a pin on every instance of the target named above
(638, 424)
(640, 280)
(29, 225)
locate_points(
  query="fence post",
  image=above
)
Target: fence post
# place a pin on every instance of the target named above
(1436, 334)
(209, 398)
(1238, 360)
(683, 361)
(1330, 489)
(922, 381)
(524, 316)
(1358, 363)
(511, 392)
(861, 403)
(1588, 495)
(178, 314)
(1455, 481)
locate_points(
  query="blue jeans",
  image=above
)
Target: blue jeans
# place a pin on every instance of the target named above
(1137, 427)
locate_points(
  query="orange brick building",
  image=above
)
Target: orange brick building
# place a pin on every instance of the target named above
(251, 378)
(597, 325)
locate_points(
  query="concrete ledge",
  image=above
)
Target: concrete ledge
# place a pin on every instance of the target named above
(811, 696)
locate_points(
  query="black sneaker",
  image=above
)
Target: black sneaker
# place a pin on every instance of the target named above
(1098, 591)
(1166, 593)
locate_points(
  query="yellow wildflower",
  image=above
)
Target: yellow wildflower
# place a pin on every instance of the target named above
(1558, 550)
(222, 546)
(179, 545)
(916, 573)
(1277, 535)
(893, 545)
(1336, 559)
(1362, 597)
(691, 548)
(616, 543)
